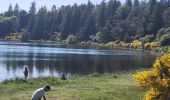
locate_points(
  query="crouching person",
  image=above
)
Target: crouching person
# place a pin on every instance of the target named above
(39, 93)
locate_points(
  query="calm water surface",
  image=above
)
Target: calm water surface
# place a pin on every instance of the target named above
(55, 59)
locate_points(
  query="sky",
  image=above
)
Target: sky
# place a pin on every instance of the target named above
(25, 4)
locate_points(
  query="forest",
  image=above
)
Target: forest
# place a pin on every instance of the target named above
(146, 21)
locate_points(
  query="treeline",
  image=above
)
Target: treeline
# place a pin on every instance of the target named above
(107, 21)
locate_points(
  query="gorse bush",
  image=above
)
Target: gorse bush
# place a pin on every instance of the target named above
(156, 80)
(151, 44)
(136, 44)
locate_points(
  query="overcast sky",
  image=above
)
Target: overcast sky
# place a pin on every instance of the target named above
(25, 4)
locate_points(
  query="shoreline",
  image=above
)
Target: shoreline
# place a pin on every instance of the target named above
(159, 49)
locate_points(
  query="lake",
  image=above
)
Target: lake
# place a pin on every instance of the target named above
(55, 59)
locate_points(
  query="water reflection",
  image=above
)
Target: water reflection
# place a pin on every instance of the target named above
(50, 59)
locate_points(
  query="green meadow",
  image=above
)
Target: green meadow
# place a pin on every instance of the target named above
(115, 86)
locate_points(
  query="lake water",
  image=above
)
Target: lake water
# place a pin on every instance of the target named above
(55, 59)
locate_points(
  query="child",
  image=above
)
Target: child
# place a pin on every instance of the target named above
(26, 72)
(63, 77)
(39, 93)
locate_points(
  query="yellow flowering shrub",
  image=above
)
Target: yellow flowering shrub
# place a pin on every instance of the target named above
(154, 44)
(156, 80)
(151, 44)
(136, 44)
(147, 45)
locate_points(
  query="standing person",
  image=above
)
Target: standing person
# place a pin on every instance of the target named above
(26, 71)
(63, 77)
(39, 93)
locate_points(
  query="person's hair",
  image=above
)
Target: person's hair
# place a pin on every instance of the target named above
(26, 67)
(47, 87)
(64, 75)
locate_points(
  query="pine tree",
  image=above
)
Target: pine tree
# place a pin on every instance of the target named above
(32, 16)
(75, 19)
(166, 17)
(135, 12)
(156, 17)
(40, 30)
(9, 13)
(101, 15)
(23, 19)
(16, 10)
(65, 24)
(111, 8)
(128, 3)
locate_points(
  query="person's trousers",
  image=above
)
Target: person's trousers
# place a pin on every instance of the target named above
(37, 99)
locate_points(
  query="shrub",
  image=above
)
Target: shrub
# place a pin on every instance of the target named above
(151, 44)
(156, 80)
(25, 36)
(147, 38)
(165, 40)
(168, 48)
(162, 32)
(99, 37)
(136, 44)
(71, 39)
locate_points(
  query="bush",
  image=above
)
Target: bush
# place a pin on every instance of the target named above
(71, 39)
(168, 49)
(95, 75)
(162, 32)
(25, 36)
(156, 80)
(165, 40)
(136, 44)
(151, 44)
(147, 38)
(99, 37)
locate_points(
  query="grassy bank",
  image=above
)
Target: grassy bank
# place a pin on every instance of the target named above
(117, 86)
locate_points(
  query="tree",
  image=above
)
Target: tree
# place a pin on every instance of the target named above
(164, 4)
(8, 25)
(123, 12)
(166, 17)
(111, 8)
(65, 29)
(135, 13)
(151, 5)
(156, 79)
(101, 15)
(89, 28)
(9, 13)
(16, 10)
(25, 36)
(156, 17)
(128, 3)
(75, 19)
(23, 19)
(32, 15)
(52, 27)
(40, 28)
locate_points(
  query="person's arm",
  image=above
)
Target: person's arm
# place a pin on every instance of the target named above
(44, 97)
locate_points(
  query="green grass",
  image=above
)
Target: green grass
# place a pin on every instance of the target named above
(116, 86)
